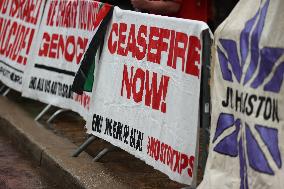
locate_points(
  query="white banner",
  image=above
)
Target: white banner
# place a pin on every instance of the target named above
(247, 134)
(146, 89)
(19, 22)
(65, 33)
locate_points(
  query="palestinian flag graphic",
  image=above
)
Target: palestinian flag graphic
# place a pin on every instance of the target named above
(84, 78)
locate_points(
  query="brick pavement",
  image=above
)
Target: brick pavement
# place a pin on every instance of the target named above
(17, 171)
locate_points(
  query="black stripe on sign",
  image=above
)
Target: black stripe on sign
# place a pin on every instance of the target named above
(52, 69)
(11, 67)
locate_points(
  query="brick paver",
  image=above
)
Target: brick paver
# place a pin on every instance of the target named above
(17, 171)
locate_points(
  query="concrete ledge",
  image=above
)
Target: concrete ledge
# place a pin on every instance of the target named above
(53, 153)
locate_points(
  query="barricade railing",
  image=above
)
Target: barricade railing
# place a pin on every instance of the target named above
(42, 78)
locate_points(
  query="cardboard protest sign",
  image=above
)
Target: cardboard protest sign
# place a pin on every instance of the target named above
(19, 22)
(247, 134)
(66, 30)
(145, 96)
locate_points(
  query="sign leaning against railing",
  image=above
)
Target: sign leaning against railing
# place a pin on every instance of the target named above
(66, 30)
(19, 22)
(247, 135)
(145, 96)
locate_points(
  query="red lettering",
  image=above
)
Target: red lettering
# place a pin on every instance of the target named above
(159, 94)
(13, 40)
(51, 13)
(141, 42)
(14, 8)
(12, 32)
(157, 150)
(1, 24)
(162, 158)
(83, 100)
(121, 40)
(70, 45)
(25, 10)
(154, 96)
(131, 42)
(149, 88)
(165, 153)
(171, 49)
(21, 34)
(28, 34)
(81, 45)
(153, 141)
(67, 14)
(3, 35)
(57, 45)
(30, 41)
(183, 162)
(4, 6)
(163, 46)
(60, 46)
(112, 46)
(53, 45)
(170, 158)
(191, 164)
(177, 160)
(153, 45)
(179, 48)
(181, 38)
(138, 94)
(193, 56)
(14, 46)
(45, 45)
(89, 14)
(126, 81)
(34, 19)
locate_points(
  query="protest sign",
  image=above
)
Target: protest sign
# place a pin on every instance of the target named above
(145, 96)
(19, 22)
(247, 134)
(65, 33)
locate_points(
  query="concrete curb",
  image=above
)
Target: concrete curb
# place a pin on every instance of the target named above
(53, 153)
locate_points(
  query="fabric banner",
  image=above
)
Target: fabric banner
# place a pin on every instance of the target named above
(19, 22)
(247, 134)
(146, 90)
(65, 32)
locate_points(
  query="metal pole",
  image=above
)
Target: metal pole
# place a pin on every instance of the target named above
(6, 92)
(43, 112)
(104, 152)
(206, 99)
(2, 87)
(55, 114)
(81, 148)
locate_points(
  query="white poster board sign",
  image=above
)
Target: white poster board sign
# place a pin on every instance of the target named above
(66, 30)
(146, 89)
(19, 22)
